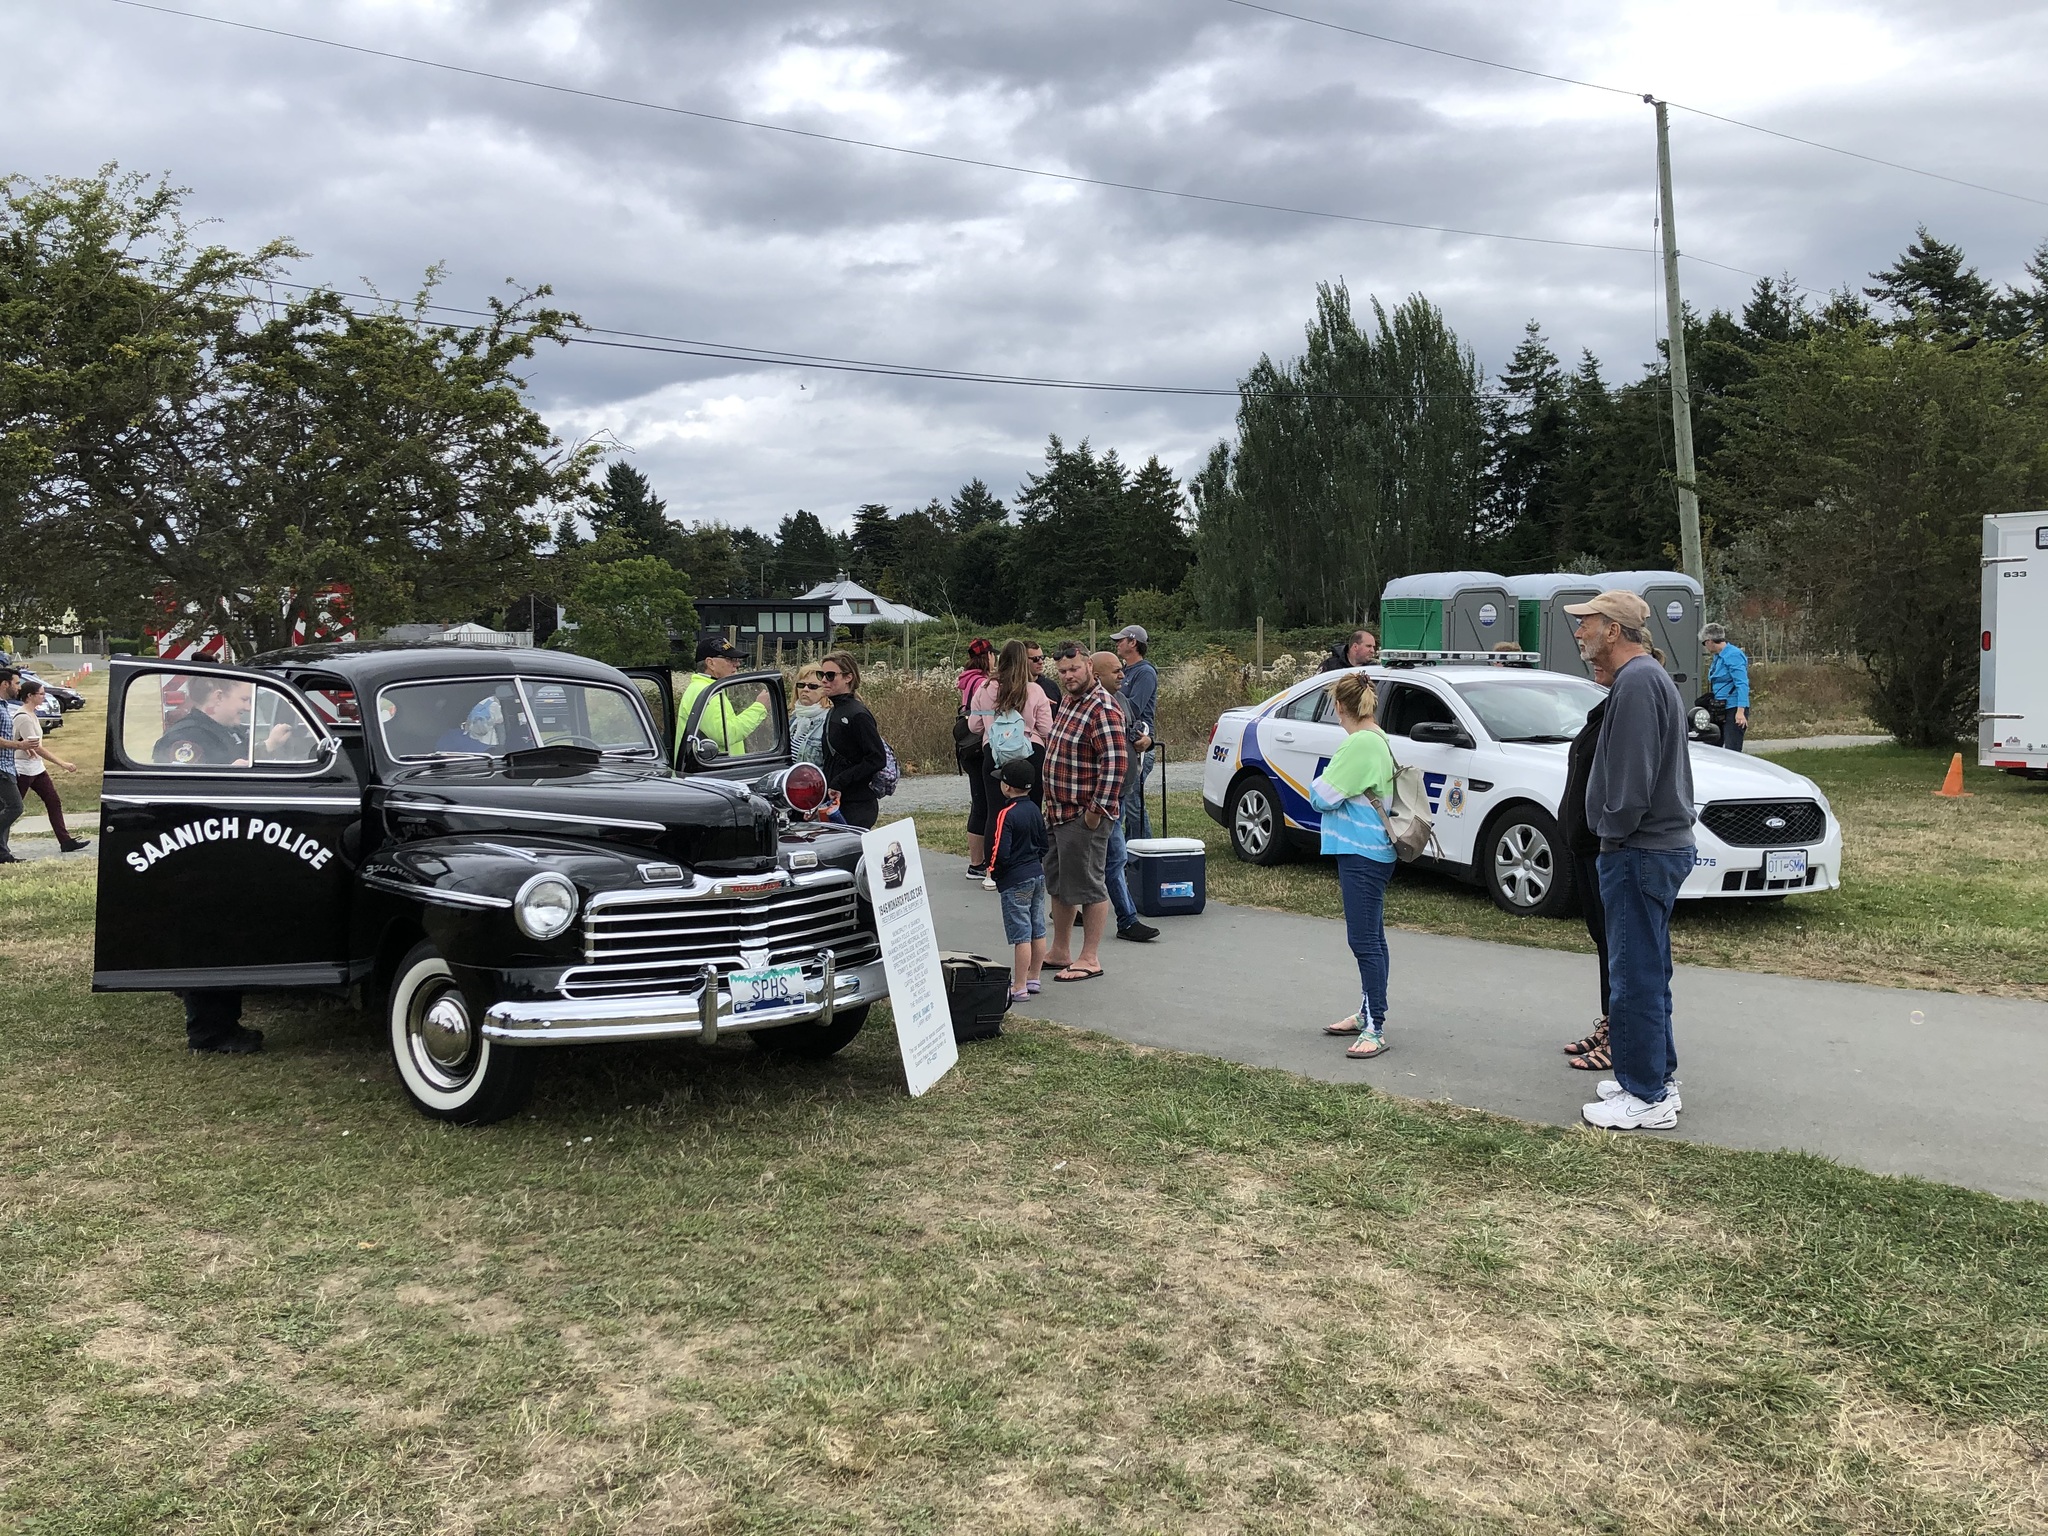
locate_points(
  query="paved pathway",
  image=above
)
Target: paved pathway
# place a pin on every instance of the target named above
(1893, 1081)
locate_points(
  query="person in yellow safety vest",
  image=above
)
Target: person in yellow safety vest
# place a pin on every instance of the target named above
(728, 726)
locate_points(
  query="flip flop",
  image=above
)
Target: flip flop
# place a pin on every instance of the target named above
(1348, 1026)
(1075, 973)
(1047, 965)
(1379, 1048)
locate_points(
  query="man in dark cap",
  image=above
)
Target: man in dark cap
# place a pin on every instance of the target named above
(721, 722)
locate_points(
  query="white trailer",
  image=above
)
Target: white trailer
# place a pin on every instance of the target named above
(2012, 678)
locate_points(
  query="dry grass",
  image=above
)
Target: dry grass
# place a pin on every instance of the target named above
(1077, 1287)
(1809, 698)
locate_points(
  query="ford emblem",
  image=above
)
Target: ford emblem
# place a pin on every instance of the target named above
(1776, 823)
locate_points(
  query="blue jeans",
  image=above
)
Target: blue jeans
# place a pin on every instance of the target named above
(1024, 915)
(1638, 887)
(1363, 882)
(1137, 821)
(1113, 877)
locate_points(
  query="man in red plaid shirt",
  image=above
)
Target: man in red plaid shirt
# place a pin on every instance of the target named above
(1085, 763)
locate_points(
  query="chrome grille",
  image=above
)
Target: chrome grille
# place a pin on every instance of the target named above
(1748, 823)
(647, 947)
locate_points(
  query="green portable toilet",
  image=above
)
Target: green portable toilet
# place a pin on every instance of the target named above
(1677, 614)
(1545, 627)
(1447, 611)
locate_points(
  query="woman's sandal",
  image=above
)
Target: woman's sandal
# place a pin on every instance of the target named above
(1349, 1026)
(1367, 1048)
(1592, 1042)
(1598, 1059)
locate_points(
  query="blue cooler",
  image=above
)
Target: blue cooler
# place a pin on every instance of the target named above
(1167, 876)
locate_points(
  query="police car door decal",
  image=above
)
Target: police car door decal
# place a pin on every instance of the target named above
(223, 829)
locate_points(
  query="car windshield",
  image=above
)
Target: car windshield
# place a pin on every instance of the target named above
(491, 716)
(1529, 708)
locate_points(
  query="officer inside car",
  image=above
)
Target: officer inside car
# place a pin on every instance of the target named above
(216, 732)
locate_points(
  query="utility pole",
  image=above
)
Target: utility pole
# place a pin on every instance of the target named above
(1681, 386)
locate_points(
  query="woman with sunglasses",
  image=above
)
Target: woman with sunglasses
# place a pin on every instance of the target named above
(853, 742)
(807, 720)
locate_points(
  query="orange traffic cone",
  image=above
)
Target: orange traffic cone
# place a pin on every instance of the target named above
(1952, 786)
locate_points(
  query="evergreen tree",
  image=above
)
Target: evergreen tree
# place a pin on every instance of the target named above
(975, 505)
(806, 554)
(1929, 287)
(628, 506)
(874, 545)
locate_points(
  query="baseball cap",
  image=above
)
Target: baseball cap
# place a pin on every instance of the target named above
(1018, 772)
(1133, 632)
(716, 645)
(1625, 608)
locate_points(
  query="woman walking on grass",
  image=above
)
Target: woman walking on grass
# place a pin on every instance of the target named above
(30, 729)
(1350, 793)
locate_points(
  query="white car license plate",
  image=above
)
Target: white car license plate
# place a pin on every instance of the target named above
(1786, 866)
(775, 986)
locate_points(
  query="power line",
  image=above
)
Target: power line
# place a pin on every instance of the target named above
(1594, 85)
(1069, 177)
(683, 346)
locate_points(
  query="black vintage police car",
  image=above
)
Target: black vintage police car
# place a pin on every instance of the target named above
(504, 849)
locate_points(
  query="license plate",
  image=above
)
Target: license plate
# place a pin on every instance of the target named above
(775, 986)
(1785, 866)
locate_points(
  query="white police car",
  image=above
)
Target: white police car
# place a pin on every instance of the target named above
(1491, 741)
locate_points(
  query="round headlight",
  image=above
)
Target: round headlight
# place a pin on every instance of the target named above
(545, 905)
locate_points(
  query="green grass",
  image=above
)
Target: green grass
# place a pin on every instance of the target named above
(1947, 894)
(1079, 1287)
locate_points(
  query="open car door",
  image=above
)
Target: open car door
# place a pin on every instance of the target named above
(228, 831)
(734, 727)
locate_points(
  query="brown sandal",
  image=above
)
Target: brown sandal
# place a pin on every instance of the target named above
(1598, 1059)
(1592, 1042)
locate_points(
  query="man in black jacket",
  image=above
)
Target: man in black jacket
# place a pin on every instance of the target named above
(853, 742)
(1361, 649)
(1590, 1054)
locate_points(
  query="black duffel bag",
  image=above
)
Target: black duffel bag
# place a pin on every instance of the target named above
(977, 992)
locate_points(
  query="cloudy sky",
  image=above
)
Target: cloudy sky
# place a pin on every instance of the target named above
(656, 222)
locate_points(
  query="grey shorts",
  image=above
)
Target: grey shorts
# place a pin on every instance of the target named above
(1076, 864)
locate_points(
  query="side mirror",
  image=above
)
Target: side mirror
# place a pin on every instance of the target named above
(1443, 732)
(705, 750)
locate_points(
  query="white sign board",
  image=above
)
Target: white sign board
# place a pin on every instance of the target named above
(910, 954)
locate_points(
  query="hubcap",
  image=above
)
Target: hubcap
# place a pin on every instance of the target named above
(1254, 825)
(442, 1040)
(1522, 865)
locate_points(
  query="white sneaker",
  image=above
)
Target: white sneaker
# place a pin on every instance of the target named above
(1626, 1112)
(1608, 1088)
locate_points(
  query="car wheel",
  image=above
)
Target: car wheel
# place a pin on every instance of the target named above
(1524, 863)
(814, 1042)
(1258, 835)
(448, 1069)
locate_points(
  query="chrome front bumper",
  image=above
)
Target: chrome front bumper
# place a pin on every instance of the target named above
(679, 1015)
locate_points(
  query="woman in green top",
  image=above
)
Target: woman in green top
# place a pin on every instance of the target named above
(1349, 792)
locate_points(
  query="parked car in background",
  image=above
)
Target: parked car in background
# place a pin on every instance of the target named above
(1491, 741)
(492, 848)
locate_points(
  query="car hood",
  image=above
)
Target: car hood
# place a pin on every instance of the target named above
(701, 823)
(1716, 774)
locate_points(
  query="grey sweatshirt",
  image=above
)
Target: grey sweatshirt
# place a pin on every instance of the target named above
(1640, 791)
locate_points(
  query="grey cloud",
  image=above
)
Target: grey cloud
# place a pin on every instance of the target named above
(648, 221)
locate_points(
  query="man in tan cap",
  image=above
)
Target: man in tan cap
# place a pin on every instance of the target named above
(1639, 804)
